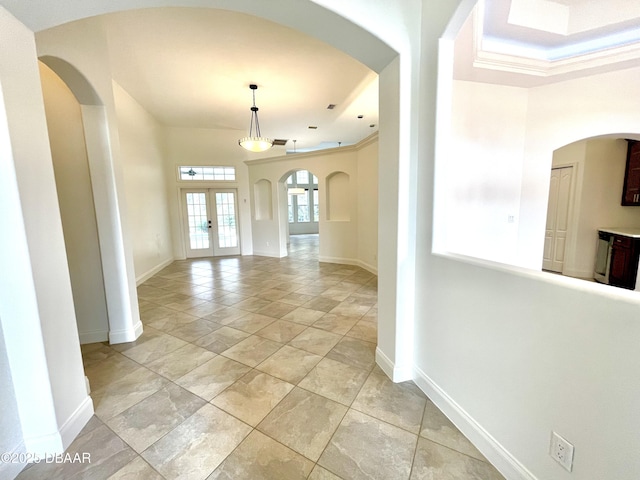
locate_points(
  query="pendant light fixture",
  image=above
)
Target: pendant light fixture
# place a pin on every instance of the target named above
(255, 143)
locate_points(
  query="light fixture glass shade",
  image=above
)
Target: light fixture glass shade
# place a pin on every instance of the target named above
(255, 144)
(296, 191)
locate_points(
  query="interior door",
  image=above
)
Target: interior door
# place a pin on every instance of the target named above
(211, 222)
(557, 219)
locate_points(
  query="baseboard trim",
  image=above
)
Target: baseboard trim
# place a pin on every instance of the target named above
(260, 253)
(76, 422)
(10, 470)
(127, 335)
(395, 373)
(94, 336)
(499, 457)
(349, 261)
(147, 275)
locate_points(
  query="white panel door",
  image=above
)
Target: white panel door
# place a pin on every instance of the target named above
(557, 219)
(211, 222)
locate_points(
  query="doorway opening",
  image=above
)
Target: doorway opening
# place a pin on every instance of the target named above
(303, 212)
(211, 222)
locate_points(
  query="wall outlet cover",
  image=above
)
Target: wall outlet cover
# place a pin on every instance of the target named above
(561, 451)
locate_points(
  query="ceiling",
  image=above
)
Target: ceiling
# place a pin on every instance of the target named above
(533, 42)
(191, 67)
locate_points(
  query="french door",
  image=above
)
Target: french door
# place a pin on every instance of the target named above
(211, 222)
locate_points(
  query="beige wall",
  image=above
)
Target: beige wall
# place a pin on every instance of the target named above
(141, 150)
(347, 182)
(75, 196)
(201, 146)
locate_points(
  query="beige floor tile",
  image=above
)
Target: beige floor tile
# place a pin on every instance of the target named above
(353, 351)
(146, 422)
(304, 422)
(366, 448)
(296, 299)
(304, 316)
(335, 323)
(364, 330)
(204, 309)
(226, 315)
(271, 294)
(260, 458)
(126, 391)
(222, 339)
(438, 428)
(315, 341)
(401, 404)
(334, 380)
(252, 397)
(252, 304)
(171, 320)
(111, 368)
(281, 331)
(252, 322)
(252, 350)
(137, 469)
(348, 309)
(435, 461)
(319, 473)
(194, 330)
(107, 454)
(322, 304)
(197, 446)
(155, 348)
(277, 309)
(211, 378)
(181, 361)
(289, 364)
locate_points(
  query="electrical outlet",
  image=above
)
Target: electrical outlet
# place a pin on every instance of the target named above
(561, 451)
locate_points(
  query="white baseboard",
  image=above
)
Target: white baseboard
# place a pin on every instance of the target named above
(499, 457)
(147, 275)
(93, 337)
(349, 261)
(76, 422)
(396, 374)
(10, 470)
(127, 335)
(263, 253)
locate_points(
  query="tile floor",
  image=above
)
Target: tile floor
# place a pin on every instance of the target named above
(260, 368)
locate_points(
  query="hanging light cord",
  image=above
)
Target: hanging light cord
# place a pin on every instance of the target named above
(254, 116)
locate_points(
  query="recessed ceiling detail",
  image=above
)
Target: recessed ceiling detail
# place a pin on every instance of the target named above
(280, 141)
(547, 38)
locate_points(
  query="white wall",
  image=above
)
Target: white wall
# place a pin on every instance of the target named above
(141, 150)
(82, 49)
(77, 211)
(11, 438)
(484, 171)
(201, 146)
(36, 305)
(512, 354)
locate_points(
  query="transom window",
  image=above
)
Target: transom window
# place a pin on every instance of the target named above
(303, 197)
(201, 173)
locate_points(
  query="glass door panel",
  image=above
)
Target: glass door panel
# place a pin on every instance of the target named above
(211, 223)
(227, 235)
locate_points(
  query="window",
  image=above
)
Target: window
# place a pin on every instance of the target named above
(219, 173)
(303, 207)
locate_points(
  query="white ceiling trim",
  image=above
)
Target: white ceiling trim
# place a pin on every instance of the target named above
(491, 60)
